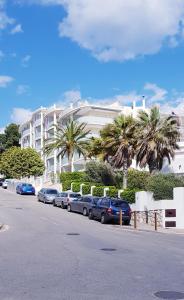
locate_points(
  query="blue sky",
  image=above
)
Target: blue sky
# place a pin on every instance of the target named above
(106, 51)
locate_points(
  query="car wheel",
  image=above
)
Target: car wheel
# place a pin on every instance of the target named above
(85, 212)
(103, 219)
(54, 203)
(126, 222)
(69, 208)
(62, 205)
(38, 199)
(91, 217)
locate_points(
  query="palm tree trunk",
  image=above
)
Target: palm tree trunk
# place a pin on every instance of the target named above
(125, 174)
(70, 161)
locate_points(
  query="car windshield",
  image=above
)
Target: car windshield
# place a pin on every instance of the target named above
(27, 185)
(75, 195)
(95, 200)
(119, 203)
(51, 192)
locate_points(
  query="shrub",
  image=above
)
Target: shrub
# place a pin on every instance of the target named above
(98, 191)
(86, 189)
(129, 195)
(162, 185)
(100, 172)
(113, 192)
(72, 176)
(66, 185)
(138, 179)
(76, 187)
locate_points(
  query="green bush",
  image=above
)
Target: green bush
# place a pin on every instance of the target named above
(72, 176)
(76, 187)
(86, 189)
(136, 179)
(162, 185)
(113, 192)
(129, 195)
(66, 185)
(100, 172)
(98, 191)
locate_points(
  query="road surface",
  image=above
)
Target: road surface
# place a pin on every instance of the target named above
(40, 261)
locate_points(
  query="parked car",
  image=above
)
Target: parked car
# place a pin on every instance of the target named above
(108, 210)
(64, 198)
(83, 204)
(25, 189)
(1, 181)
(5, 184)
(47, 195)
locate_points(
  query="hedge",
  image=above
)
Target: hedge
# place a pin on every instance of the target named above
(66, 185)
(76, 187)
(72, 176)
(98, 191)
(112, 192)
(86, 189)
(129, 195)
(162, 185)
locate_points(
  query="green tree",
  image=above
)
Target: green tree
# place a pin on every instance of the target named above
(10, 137)
(157, 139)
(16, 163)
(119, 144)
(100, 172)
(68, 140)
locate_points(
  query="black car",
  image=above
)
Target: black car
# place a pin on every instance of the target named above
(108, 210)
(83, 204)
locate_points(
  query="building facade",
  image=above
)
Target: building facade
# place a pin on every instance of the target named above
(42, 123)
(41, 126)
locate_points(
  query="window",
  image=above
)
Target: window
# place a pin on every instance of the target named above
(104, 202)
(63, 194)
(52, 192)
(119, 203)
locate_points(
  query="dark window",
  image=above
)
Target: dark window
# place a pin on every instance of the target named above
(52, 192)
(119, 203)
(74, 195)
(63, 194)
(105, 202)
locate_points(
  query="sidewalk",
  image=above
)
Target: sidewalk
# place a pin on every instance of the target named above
(142, 227)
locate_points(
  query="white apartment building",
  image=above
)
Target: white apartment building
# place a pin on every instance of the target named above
(41, 126)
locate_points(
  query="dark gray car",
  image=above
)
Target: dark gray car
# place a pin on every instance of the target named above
(64, 198)
(47, 195)
(83, 204)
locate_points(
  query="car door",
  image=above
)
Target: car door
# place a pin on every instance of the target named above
(74, 204)
(102, 207)
(41, 196)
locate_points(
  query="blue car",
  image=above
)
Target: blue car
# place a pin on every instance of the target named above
(108, 210)
(25, 189)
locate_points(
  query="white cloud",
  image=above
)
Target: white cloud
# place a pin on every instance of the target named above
(5, 80)
(159, 94)
(25, 60)
(68, 97)
(20, 115)
(22, 89)
(4, 19)
(17, 29)
(121, 29)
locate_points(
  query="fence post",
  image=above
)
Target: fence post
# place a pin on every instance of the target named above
(135, 219)
(120, 217)
(155, 214)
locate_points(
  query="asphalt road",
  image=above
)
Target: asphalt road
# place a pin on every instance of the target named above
(39, 261)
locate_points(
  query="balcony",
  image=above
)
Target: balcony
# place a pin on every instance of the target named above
(25, 132)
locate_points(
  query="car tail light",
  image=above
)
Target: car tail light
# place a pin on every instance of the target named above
(109, 210)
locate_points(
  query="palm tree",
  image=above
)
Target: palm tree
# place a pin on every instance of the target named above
(119, 144)
(69, 139)
(157, 139)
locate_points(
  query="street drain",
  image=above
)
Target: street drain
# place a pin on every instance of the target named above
(169, 295)
(18, 208)
(73, 233)
(108, 249)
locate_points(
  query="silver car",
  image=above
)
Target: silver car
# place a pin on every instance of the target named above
(64, 198)
(47, 195)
